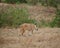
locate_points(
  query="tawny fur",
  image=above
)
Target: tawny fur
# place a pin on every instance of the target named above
(27, 26)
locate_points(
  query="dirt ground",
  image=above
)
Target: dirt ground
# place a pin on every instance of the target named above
(43, 38)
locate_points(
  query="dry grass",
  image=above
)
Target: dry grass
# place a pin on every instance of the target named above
(43, 38)
(37, 12)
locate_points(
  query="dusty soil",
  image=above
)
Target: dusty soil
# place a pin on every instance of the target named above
(43, 38)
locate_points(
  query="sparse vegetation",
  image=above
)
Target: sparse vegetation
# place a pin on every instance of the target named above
(14, 16)
(11, 16)
(56, 21)
(29, 23)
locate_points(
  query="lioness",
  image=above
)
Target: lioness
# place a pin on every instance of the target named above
(27, 26)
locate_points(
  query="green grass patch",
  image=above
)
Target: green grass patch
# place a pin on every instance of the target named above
(13, 17)
(56, 21)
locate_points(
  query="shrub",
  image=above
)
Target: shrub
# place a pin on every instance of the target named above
(11, 1)
(56, 21)
(53, 3)
(14, 16)
(32, 2)
(15, 1)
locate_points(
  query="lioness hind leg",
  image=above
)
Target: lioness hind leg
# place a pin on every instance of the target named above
(32, 31)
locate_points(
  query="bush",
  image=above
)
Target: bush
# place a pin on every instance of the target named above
(53, 3)
(11, 1)
(32, 2)
(11, 16)
(56, 21)
(14, 1)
